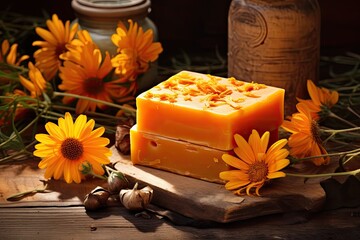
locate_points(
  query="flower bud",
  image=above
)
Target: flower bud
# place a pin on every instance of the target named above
(116, 182)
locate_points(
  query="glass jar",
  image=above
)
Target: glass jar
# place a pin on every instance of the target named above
(275, 42)
(101, 17)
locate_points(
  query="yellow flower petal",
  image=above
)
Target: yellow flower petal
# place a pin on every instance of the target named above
(276, 175)
(243, 151)
(235, 162)
(234, 175)
(235, 184)
(278, 165)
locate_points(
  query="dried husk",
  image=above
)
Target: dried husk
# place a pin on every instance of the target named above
(136, 199)
(122, 136)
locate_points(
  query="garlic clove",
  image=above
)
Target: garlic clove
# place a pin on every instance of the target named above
(135, 199)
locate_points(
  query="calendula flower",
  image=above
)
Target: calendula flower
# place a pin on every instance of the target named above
(136, 50)
(76, 45)
(305, 139)
(69, 145)
(37, 84)
(322, 99)
(255, 164)
(48, 56)
(86, 73)
(9, 54)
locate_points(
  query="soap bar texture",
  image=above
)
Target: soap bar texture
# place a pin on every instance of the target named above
(208, 110)
(176, 156)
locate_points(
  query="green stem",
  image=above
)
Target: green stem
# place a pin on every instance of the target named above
(353, 112)
(95, 114)
(20, 195)
(354, 151)
(18, 153)
(23, 130)
(98, 176)
(110, 170)
(131, 110)
(331, 114)
(335, 131)
(354, 172)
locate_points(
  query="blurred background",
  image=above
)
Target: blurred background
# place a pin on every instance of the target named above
(199, 27)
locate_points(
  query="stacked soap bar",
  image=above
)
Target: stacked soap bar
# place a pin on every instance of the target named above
(187, 122)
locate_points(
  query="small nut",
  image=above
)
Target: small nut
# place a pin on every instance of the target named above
(96, 199)
(91, 202)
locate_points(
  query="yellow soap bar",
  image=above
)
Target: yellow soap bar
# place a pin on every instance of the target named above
(176, 156)
(208, 110)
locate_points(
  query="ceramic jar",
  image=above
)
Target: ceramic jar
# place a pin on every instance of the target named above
(275, 42)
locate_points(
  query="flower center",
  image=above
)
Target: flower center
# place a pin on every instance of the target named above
(60, 49)
(72, 149)
(315, 132)
(93, 85)
(258, 171)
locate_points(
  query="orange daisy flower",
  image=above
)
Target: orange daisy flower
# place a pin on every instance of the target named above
(69, 145)
(37, 84)
(86, 73)
(320, 98)
(9, 54)
(255, 164)
(136, 50)
(48, 56)
(305, 140)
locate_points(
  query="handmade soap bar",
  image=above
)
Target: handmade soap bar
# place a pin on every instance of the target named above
(176, 156)
(208, 110)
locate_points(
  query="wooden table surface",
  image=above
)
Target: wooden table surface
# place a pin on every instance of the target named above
(59, 214)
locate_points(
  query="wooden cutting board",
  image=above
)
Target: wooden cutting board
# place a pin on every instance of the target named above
(210, 201)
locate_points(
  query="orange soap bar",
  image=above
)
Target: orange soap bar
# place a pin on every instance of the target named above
(176, 156)
(208, 110)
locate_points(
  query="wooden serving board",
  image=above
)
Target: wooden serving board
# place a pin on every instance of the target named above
(203, 200)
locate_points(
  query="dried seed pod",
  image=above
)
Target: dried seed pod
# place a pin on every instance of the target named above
(96, 199)
(116, 182)
(122, 136)
(91, 202)
(135, 199)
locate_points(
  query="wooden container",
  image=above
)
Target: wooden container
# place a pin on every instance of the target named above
(275, 42)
